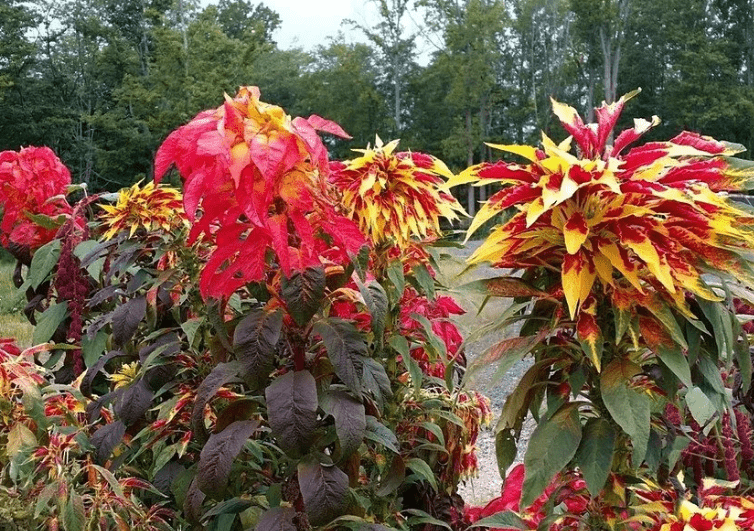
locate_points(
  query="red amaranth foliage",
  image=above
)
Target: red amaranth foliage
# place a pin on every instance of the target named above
(255, 181)
(33, 181)
(437, 311)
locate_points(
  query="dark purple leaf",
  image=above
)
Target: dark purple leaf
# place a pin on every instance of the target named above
(218, 454)
(350, 420)
(376, 381)
(169, 345)
(134, 402)
(303, 293)
(93, 408)
(292, 409)
(126, 318)
(106, 293)
(240, 409)
(347, 350)
(254, 343)
(105, 439)
(164, 478)
(192, 505)
(93, 371)
(220, 375)
(324, 489)
(277, 519)
(98, 324)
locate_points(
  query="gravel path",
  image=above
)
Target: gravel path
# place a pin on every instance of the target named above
(479, 490)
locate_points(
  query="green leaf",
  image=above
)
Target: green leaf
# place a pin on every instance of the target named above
(347, 350)
(19, 437)
(674, 359)
(324, 489)
(517, 403)
(595, 454)
(700, 406)
(381, 434)
(49, 321)
(629, 407)
(424, 281)
(552, 446)
(392, 478)
(722, 327)
(43, 262)
(423, 470)
(303, 293)
(420, 518)
(505, 519)
(92, 349)
(190, 327)
(399, 344)
(73, 516)
(505, 450)
(395, 275)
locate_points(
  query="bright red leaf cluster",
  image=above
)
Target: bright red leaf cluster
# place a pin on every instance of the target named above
(33, 182)
(255, 180)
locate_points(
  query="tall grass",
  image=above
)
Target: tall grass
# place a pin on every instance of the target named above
(13, 323)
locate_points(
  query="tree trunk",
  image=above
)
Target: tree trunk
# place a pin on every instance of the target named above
(471, 198)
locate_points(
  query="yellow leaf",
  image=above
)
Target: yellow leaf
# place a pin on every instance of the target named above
(657, 265)
(565, 113)
(536, 208)
(577, 278)
(575, 232)
(612, 253)
(528, 152)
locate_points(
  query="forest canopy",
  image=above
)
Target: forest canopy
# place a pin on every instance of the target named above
(103, 82)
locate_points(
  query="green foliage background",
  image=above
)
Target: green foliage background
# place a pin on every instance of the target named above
(104, 81)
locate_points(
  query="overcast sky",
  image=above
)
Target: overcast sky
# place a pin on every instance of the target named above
(309, 23)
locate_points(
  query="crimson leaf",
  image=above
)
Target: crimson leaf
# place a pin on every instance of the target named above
(126, 319)
(346, 349)
(324, 489)
(292, 408)
(218, 454)
(105, 439)
(303, 293)
(254, 343)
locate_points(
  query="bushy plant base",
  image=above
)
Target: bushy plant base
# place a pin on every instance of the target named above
(269, 349)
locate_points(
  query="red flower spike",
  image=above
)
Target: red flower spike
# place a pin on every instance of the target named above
(256, 180)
